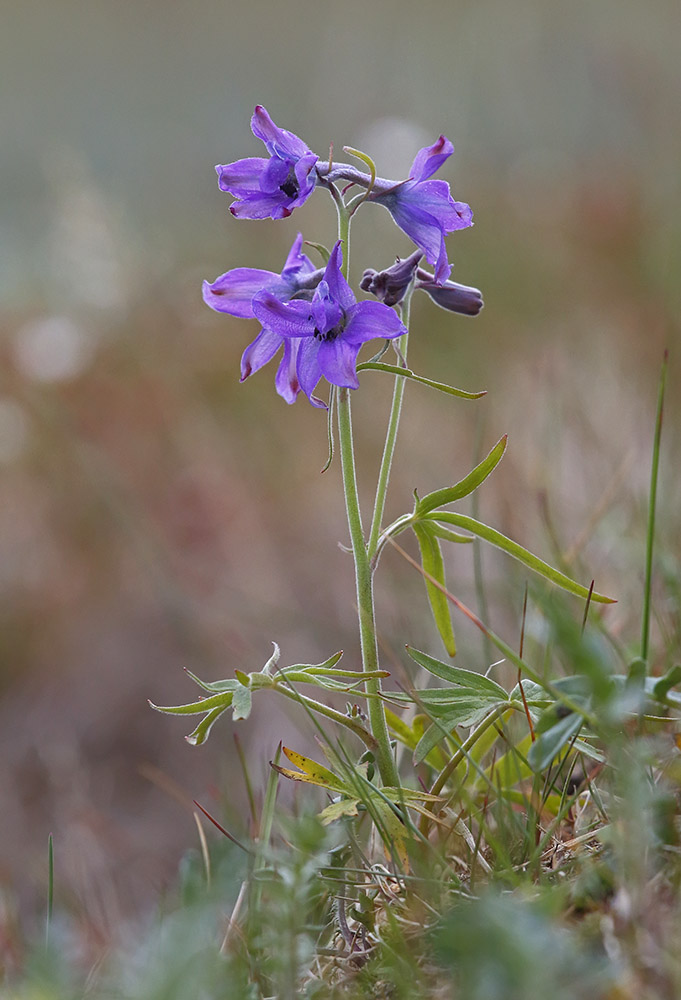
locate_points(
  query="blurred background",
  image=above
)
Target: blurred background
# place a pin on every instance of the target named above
(155, 515)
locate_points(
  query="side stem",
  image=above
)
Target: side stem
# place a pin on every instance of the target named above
(365, 594)
(391, 437)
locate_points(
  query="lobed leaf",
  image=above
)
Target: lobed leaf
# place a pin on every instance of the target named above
(220, 701)
(466, 486)
(431, 559)
(457, 675)
(242, 703)
(200, 734)
(344, 807)
(380, 366)
(512, 548)
(550, 743)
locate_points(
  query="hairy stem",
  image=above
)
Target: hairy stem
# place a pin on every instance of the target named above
(391, 438)
(365, 593)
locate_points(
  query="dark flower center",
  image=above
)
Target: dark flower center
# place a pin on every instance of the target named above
(290, 185)
(331, 334)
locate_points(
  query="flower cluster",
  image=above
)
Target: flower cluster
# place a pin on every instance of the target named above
(312, 313)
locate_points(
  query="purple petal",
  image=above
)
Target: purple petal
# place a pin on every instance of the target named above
(297, 262)
(286, 380)
(371, 320)
(430, 158)
(326, 312)
(241, 177)
(309, 372)
(338, 286)
(262, 206)
(435, 198)
(232, 292)
(287, 319)
(338, 361)
(278, 141)
(274, 175)
(426, 232)
(258, 353)
(304, 175)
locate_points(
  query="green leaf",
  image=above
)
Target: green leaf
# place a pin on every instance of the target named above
(495, 537)
(242, 703)
(227, 685)
(431, 559)
(345, 807)
(466, 486)
(662, 686)
(440, 700)
(323, 252)
(551, 742)
(220, 701)
(393, 832)
(469, 712)
(457, 675)
(380, 366)
(200, 734)
(273, 660)
(450, 536)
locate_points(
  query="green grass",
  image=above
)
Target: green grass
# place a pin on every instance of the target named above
(547, 861)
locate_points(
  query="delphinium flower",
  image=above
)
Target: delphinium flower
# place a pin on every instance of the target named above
(270, 188)
(424, 209)
(331, 327)
(233, 293)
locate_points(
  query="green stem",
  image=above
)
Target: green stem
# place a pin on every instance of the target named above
(391, 437)
(363, 575)
(365, 594)
(650, 539)
(330, 713)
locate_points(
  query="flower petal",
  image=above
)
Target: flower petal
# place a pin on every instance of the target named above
(259, 352)
(372, 320)
(262, 206)
(338, 361)
(338, 286)
(279, 142)
(286, 379)
(430, 158)
(241, 177)
(297, 262)
(426, 232)
(309, 372)
(288, 319)
(435, 198)
(326, 312)
(233, 291)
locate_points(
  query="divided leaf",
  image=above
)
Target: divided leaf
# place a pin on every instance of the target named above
(380, 366)
(431, 559)
(495, 537)
(466, 486)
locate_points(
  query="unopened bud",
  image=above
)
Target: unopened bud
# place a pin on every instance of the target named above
(450, 294)
(391, 285)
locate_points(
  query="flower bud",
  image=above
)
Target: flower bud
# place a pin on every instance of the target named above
(450, 294)
(390, 285)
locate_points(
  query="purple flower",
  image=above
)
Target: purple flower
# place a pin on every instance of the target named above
(331, 328)
(425, 209)
(270, 189)
(233, 293)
